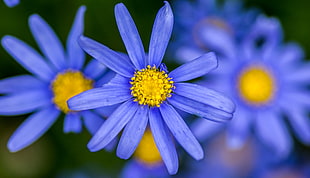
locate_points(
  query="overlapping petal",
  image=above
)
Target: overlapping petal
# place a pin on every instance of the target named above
(181, 131)
(133, 133)
(199, 109)
(104, 96)
(163, 141)
(112, 126)
(92, 121)
(195, 68)
(108, 57)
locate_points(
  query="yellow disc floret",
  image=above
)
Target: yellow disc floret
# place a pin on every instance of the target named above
(151, 86)
(256, 85)
(147, 151)
(68, 84)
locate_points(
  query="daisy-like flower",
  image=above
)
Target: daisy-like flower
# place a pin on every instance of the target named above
(11, 3)
(148, 93)
(56, 77)
(204, 25)
(267, 80)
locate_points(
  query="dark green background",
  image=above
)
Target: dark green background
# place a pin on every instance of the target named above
(56, 152)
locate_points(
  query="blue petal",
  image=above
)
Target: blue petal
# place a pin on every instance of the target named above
(92, 121)
(133, 133)
(104, 96)
(272, 132)
(205, 95)
(195, 68)
(199, 109)
(163, 141)
(239, 128)
(108, 57)
(27, 57)
(299, 75)
(94, 69)
(130, 36)
(76, 55)
(25, 102)
(72, 123)
(181, 131)
(112, 126)
(47, 41)
(32, 128)
(11, 3)
(161, 33)
(300, 123)
(20, 83)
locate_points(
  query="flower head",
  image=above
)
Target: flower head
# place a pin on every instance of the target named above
(148, 93)
(55, 78)
(267, 79)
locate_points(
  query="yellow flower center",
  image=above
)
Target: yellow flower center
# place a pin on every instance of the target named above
(68, 84)
(256, 85)
(151, 86)
(147, 151)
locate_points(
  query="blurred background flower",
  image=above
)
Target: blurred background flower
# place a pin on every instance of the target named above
(63, 155)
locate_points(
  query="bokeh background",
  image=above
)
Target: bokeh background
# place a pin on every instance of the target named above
(63, 155)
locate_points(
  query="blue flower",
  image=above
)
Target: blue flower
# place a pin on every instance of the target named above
(205, 25)
(56, 77)
(267, 79)
(11, 3)
(148, 93)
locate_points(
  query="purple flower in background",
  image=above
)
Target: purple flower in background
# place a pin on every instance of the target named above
(148, 93)
(56, 77)
(268, 80)
(206, 25)
(11, 3)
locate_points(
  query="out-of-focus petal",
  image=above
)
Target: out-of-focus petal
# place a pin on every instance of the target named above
(48, 41)
(32, 128)
(24, 102)
(76, 55)
(72, 123)
(20, 84)
(27, 57)
(273, 133)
